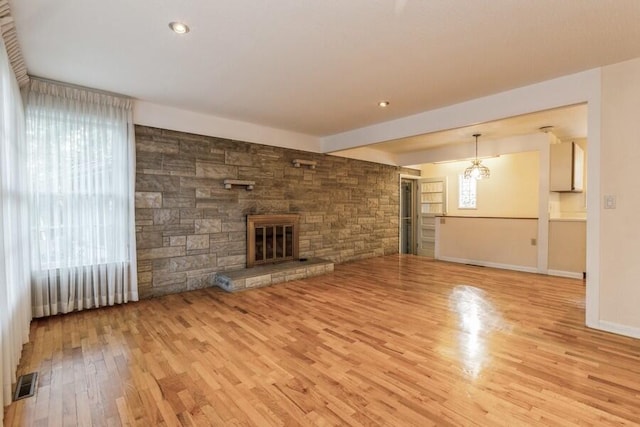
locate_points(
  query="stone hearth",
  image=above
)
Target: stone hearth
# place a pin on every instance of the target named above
(265, 275)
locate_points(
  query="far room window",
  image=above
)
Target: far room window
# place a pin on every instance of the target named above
(466, 193)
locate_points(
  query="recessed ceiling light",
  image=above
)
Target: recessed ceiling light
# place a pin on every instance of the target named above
(383, 104)
(179, 27)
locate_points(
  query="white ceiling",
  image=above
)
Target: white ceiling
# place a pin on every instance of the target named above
(320, 67)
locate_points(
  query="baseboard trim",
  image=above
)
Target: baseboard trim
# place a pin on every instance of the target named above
(616, 328)
(561, 273)
(522, 268)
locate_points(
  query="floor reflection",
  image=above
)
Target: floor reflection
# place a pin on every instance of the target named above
(477, 319)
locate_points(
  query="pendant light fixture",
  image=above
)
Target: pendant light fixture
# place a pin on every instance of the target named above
(477, 170)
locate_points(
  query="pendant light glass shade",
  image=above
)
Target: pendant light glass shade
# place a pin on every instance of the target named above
(477, 170)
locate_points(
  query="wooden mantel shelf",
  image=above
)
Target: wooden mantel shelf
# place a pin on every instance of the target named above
(228, 183)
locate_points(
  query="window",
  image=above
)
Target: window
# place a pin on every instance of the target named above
(76, 198)
(466, 193)
(80, 163)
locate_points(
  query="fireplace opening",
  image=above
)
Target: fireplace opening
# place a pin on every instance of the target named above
(271, 239)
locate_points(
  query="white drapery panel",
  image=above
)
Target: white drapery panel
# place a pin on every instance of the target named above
(81, 164)
(15, 295)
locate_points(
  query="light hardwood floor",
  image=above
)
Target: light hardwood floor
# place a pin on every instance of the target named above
(399, 340)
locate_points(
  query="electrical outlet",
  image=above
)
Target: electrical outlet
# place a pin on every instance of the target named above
(534, 242)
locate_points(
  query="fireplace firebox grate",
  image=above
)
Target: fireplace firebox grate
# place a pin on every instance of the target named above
(271, 239)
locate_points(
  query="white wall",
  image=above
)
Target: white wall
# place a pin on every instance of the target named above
(567, 248)
(492, 242)
(619, 292)
(512, 190)
(161, 116)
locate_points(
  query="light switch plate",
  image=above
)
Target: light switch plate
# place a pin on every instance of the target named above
(609, 201)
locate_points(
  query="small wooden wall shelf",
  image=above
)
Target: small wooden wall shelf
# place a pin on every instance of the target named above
(228, 183)
(300, 162)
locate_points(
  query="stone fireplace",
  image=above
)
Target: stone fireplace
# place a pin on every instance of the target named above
(271, 239)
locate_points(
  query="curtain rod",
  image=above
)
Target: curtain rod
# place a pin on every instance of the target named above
(74, 86)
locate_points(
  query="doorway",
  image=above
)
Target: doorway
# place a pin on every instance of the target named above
(432, 203)
(407, 215)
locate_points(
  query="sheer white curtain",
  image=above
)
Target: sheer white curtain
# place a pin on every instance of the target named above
(15, 295)
(81, 164)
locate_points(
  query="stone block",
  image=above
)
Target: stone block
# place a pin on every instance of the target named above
(191, 262)
(165, 279)
(149, 240)
(313, 219)
(172, 200)
(190, 182)
(237, 236)
(215, 202)
(213, 212)
(238, 247)
(144, 146)
(257, 281)
(295, 276)
(234, 226)
(166, 216)
(238, 158)
(198, 282)
(164, 252)
(146, 182)
(173, 229)
(232, 261)
(275, 206)
(315, 270)
(202, 193)
(366, 220)
(192, 213)
(149, 161)
(145, 278)
(217, 237)
(197, 251)
(178, 240)
(255, 173)
(204, 226)
(198, 241)
(205, 169)
(202, 149)
(145, 215)
(147, 199)
(275, 279)
(201, 272)
(144, 265)
(228, 284)
(179, 164)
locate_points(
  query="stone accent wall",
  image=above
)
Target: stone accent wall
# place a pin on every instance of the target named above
(189, 226)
